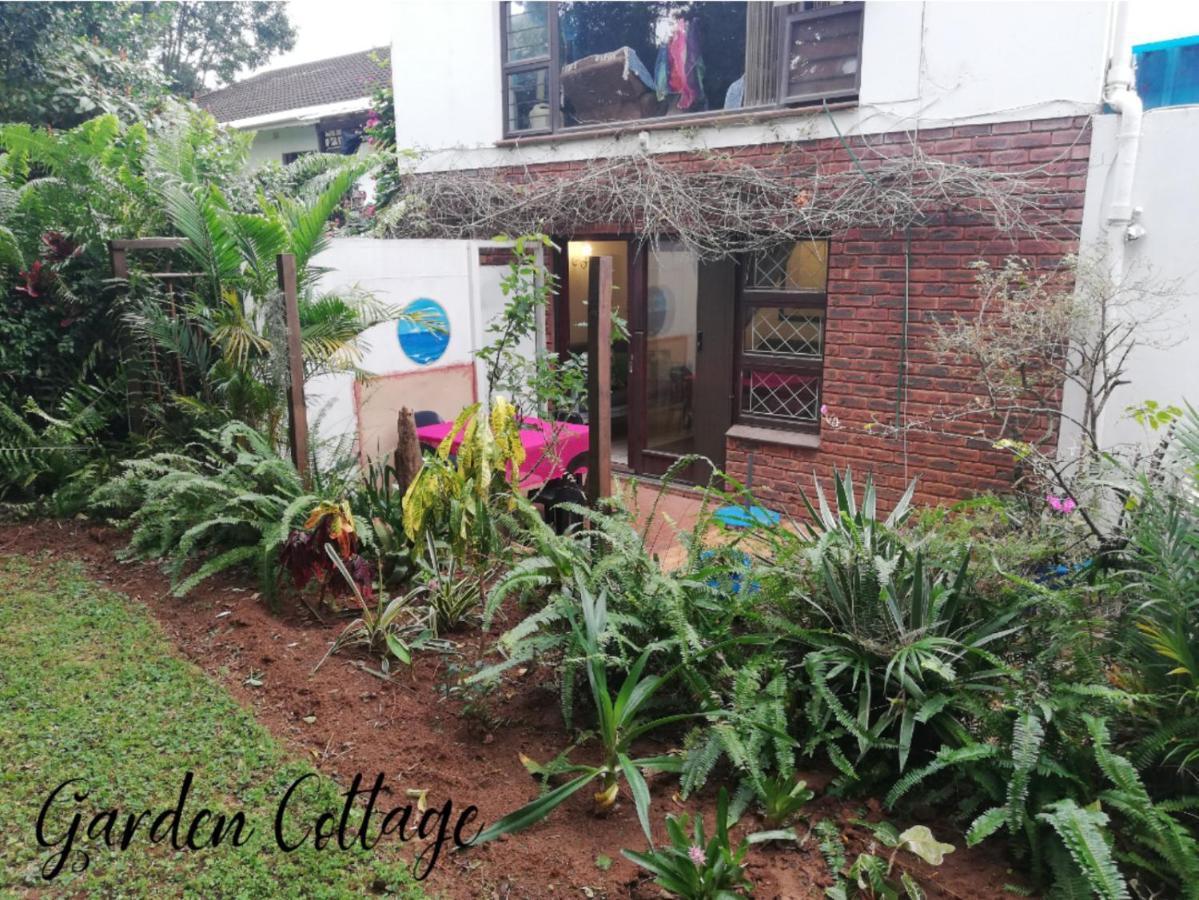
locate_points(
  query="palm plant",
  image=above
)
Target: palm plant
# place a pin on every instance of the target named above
(231, 326)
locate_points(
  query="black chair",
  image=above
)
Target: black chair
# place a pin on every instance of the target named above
(424, 417)
(569, 488)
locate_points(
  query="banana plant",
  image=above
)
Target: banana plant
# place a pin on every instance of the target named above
(621, 721)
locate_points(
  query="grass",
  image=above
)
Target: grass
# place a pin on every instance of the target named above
(90, 689)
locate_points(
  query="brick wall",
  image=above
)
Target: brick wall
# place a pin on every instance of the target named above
(866, 311)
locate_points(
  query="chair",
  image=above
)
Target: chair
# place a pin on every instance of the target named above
(424, 417)
(568, 488)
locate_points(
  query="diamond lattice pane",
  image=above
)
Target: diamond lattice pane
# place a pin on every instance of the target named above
(785, 332)
(802, 266)
(781, 395)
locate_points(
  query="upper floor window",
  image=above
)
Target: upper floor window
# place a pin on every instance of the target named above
(578, 64)
(780, 354)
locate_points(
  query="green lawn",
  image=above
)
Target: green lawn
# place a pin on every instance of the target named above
(90, 689)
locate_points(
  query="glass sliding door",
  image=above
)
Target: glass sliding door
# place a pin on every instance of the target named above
(672, 379)
(671, 347)
(683, 381)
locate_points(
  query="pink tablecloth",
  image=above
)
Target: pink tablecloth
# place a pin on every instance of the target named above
(549, 447)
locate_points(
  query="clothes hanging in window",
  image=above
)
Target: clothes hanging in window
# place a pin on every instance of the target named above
(680, 66)
(687, 66)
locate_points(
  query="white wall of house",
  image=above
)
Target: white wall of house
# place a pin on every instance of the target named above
(397, 272)
(1166, 367)
(923, 65)
(271, 143)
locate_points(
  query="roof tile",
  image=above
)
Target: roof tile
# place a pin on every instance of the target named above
(331, 80)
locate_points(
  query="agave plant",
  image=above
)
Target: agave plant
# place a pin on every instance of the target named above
(893, 643)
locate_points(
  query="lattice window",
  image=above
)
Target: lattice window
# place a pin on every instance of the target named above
(783, 396)
(781, 354)
(784, 331)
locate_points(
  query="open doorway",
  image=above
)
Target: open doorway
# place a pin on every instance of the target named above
(672, 379)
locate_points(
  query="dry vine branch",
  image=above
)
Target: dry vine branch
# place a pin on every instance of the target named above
(728, 206)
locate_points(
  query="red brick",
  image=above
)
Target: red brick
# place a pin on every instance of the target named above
(867, 283)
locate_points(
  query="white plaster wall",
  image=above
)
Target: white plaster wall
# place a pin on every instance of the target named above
(1167, 191)
(397, 272)
(923, 65)
(271, 143)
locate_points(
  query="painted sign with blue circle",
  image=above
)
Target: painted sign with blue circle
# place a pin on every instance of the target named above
(425, 339)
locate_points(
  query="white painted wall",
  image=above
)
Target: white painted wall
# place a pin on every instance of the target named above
(271, 143)
(1167, 190)
(923, 65)
(397, 272)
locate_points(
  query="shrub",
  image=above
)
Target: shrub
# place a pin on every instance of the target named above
(227, 498)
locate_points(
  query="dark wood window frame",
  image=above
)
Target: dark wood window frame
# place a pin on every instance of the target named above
(749, 299)
(550, 63)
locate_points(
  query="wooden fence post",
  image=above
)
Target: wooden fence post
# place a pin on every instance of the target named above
(599, 377)
(297, 420)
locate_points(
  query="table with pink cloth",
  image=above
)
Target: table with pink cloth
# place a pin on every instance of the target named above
(549, 447)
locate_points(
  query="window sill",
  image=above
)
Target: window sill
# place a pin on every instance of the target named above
(800, 439)
(616, 129)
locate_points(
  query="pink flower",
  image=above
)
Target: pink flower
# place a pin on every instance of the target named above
(697, 855)
(824, 409)
(1062, 505)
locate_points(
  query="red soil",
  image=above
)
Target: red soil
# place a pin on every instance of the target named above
(347, 721)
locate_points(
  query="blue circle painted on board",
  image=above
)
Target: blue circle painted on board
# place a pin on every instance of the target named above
(657, 308)
(425, 341)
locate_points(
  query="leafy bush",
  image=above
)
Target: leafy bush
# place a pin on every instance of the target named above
(227, 498)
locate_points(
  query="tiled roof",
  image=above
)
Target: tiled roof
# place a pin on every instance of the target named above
(310, 84)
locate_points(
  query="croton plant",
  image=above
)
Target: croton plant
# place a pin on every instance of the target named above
(304, 556)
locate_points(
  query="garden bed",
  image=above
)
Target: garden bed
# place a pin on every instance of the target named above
(346, 720)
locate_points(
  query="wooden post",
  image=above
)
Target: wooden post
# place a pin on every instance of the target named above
(599, 377)
(297, 421)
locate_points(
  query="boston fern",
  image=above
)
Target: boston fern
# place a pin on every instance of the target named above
(227, 499)
(1048, 799)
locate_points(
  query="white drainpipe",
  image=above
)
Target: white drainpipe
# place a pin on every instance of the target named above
(1120, 214)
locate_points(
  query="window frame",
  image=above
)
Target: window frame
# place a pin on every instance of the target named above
(750, 299)
(551, 63)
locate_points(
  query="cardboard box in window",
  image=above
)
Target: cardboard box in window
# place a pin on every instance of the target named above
(609, 87)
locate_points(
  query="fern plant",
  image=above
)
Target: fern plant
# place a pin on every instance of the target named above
(227, 499)
(62, 453)
(1052, 804)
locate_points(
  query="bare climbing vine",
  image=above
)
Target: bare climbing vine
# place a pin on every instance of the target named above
(720, 205)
